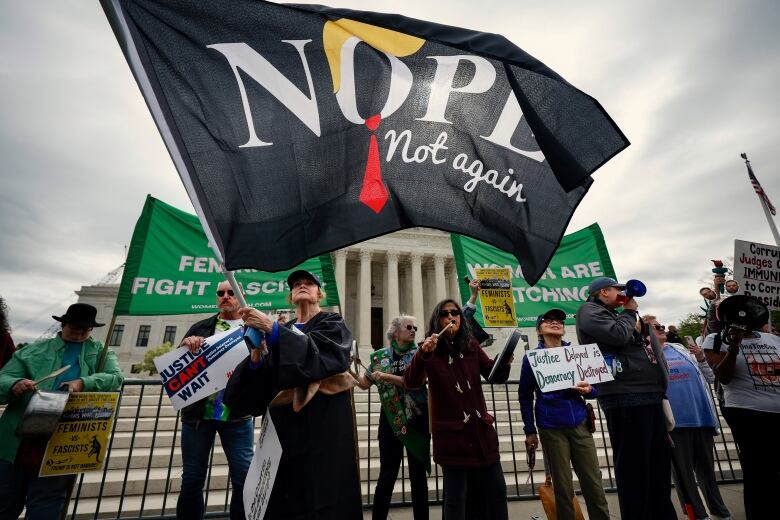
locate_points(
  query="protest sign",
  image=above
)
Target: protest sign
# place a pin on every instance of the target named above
(262, 471)
(171, 269)
(80, 441)
(580, 258)
(189, 377)
(495, 297)
(757, 270)
(562, 367)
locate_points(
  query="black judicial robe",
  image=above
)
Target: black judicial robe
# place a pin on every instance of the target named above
(318, 473)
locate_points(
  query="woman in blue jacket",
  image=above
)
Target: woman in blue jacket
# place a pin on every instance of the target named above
(563, 427)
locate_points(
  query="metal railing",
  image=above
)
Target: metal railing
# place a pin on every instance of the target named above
(101, 496)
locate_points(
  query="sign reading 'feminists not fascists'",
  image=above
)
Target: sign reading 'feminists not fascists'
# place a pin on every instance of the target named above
(302, 129)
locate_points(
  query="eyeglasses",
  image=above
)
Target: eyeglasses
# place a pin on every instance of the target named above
(659, 327)
(553, 321)
(221, 293)
(450, 312)
(411, 327)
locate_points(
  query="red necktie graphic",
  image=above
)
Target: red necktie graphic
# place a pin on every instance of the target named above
(373, 193)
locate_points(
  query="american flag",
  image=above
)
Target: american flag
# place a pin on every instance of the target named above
(757, 187)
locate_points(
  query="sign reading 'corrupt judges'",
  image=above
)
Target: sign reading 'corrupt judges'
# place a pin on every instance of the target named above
(562, 367)
(757, 270)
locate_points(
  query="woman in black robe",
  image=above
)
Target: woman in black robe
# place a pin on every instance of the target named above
(302, 380)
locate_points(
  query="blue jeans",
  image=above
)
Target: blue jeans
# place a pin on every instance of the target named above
(196, 442)
(44, 496)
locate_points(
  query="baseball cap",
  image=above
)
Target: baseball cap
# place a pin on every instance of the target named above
(552, 314)
(302, 273)
(603, 283)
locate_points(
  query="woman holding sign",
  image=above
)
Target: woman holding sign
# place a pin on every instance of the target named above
(564, 428)
(465, 442)
(301, 381)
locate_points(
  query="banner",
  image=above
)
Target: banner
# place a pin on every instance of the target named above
(581, 257)
(757, 271)
(262, 470)
(80, 441)
(170, 269)
(563, 367)
(188, 378)
(495, 297)
(301, 129)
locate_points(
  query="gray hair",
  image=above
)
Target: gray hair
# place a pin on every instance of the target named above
(395, 325)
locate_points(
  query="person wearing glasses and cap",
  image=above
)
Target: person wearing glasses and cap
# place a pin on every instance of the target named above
(632, 403)
(203, 420)
(562, 418)
(403, 421)
(465, 442)
(20, 459)
(301, 381)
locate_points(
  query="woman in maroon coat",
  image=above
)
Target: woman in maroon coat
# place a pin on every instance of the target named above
(465, 442)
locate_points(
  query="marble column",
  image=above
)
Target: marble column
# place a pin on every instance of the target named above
(454, 288)
(440, 282)
(341, 279)
(417, 289)
(364, 299)
(393, 302)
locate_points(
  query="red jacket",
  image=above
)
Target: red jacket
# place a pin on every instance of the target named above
(462, 429)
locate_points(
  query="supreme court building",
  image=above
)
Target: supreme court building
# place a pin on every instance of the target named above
(407, 272)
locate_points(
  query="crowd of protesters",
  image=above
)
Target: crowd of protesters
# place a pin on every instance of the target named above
(659, 410)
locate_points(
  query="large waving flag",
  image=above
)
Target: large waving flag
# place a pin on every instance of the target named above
(302, 129)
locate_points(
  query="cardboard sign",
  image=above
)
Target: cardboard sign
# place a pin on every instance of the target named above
(80, 441)
(495, 297)
(262, 471)
(189, 377)
(562, 367)
(757, 270)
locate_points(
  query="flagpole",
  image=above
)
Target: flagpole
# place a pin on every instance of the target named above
(768, 214)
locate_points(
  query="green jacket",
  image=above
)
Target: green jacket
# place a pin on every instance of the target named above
(39, 360)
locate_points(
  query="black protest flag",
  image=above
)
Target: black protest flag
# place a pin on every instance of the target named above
(302, 129)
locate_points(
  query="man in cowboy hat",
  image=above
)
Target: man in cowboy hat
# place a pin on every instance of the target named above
(72, 348)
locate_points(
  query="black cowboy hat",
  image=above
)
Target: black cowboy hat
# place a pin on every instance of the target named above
(80, 315)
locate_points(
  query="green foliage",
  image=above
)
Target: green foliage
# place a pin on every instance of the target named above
(148, 363)
(690, 326)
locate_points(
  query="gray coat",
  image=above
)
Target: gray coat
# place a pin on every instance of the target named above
(623, 350)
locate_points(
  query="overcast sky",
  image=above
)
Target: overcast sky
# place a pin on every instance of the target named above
(692, 85)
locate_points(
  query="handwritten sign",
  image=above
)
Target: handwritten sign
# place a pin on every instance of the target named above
(189, 377)
(495, 296)
(262, 471)
(562, 367)
(757, 270)
(80, 441)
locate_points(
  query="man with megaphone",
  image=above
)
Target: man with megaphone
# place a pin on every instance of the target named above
(632, 403)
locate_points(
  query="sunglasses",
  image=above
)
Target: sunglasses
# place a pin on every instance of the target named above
(659, 327)
(452, 312)
(553, 321)
(411, 327)
(221, 293)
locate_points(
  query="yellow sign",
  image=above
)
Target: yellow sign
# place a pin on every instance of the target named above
(495, 296)
(80, 441)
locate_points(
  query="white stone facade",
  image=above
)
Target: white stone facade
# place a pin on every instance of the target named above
(404, 272)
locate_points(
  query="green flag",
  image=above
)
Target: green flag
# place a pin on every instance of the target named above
(580, 257)
(170, 269)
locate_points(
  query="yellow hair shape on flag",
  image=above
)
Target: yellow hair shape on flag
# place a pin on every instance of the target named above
(334, 34)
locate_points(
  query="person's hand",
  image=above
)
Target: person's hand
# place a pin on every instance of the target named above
(532, 440)
(256, 319)
(379, 376)
(696, 351)
(257, 353)
(77, 385)
(582, 388)
(22, 387)
(429, 345)
(474, 286)
(631, 305)
(193, 343)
